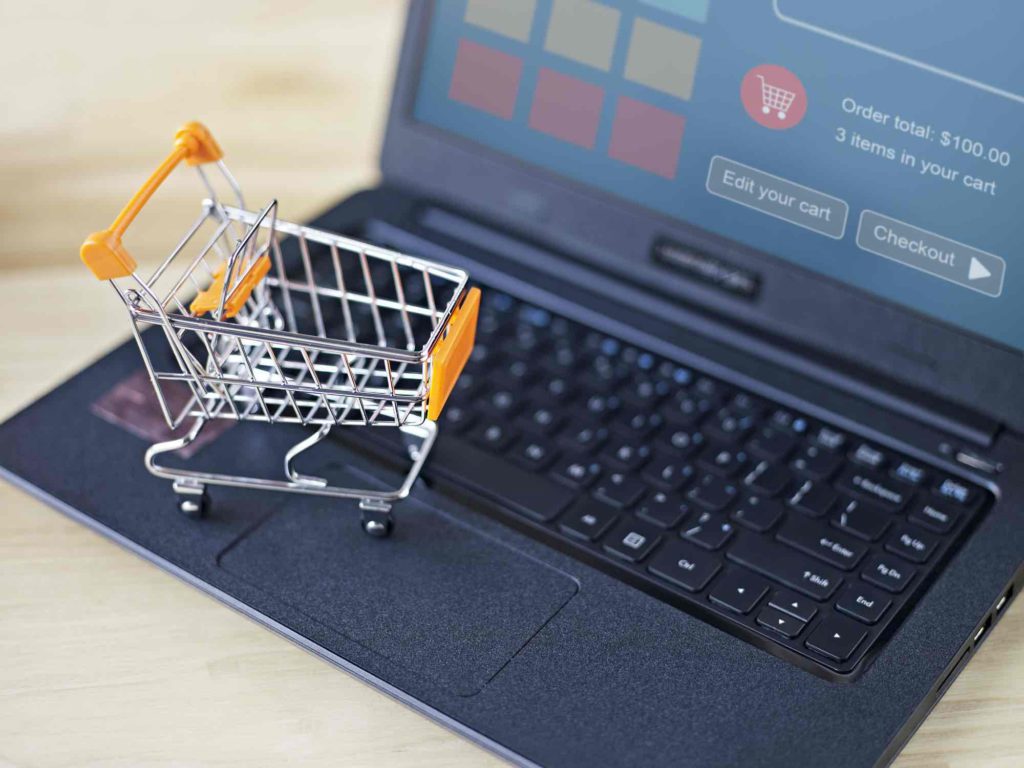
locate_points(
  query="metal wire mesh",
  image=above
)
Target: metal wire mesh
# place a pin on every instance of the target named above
(339, 332)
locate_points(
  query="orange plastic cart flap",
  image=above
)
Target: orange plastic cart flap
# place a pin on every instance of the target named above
(209, 300)
(452, 352)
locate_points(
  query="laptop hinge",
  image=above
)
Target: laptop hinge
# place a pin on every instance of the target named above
(950, 418)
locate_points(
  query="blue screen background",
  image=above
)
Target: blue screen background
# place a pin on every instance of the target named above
(970, 40)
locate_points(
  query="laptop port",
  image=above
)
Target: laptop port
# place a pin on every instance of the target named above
(1004, 600)
(982, 629)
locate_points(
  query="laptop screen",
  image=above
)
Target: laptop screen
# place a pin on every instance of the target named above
(877, 143)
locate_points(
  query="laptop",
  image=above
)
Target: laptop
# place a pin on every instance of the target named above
(735, 473)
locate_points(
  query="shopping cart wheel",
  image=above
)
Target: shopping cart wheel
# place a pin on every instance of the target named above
(377, 520)
(782, 115)
(193, 501)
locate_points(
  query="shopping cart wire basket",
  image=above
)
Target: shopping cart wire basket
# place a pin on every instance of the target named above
(333, 333)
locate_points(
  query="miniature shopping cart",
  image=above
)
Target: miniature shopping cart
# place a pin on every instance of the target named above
(259, 320)
(774, 98)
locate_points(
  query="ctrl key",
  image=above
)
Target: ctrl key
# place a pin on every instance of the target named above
(684, 565)
(836, 637)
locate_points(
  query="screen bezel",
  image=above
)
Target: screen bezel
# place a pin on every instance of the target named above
(795, 304)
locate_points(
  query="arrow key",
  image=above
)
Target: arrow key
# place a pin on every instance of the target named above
(738, 591)
(780, 622)
(797, 606)
(836, 637)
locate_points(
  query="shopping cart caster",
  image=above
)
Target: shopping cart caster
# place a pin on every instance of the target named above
(377, 520)
(193, 501)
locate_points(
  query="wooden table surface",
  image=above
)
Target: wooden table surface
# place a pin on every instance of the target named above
(104, 659)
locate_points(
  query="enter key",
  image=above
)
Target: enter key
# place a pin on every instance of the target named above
(823, 542)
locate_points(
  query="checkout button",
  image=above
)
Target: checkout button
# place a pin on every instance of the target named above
(918, 248)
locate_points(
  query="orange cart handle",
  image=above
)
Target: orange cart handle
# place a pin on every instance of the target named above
(102, 251)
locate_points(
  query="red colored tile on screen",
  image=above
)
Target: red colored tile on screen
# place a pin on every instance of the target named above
(486, 79)
(567, 108)
(647, 137)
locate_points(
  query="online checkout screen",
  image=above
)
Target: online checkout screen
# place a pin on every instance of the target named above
(878, 142)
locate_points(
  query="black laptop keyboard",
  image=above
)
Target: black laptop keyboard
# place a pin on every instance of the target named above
(779, 528)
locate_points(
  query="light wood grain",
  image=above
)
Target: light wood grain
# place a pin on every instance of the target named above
(104, 659)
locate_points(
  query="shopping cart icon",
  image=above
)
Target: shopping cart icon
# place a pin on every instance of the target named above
(775, 99)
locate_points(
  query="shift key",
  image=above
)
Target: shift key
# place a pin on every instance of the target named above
(785, 565)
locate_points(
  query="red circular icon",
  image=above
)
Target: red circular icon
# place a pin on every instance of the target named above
(773, 97)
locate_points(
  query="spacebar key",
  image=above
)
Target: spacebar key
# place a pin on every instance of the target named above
(527, 493)
(785, 565)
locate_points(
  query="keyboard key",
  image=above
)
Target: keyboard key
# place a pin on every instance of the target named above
(785, 565)
(685, 566)
(576, 472)
(772, 444)
(813, 499)
(934, 515)
(749, 404)
(819, 541)
(729, 426)
(457, 418)
(624, 455)
(686, 408)
(619, 490)
(682, 442)
(868, 456)
(533, 453)
(602, 406)
(738, 591)
(713, 493)
(830, 439)
(709, 531)
(663, 509)
(724, 462)
(861, 518)
(758, 514)
(632, 540)
(816, 463)
(494, 436)
(540, 419)
(526, 493)
(583, 435)
(888, 572)
(795, 605)
(637, 425)
(787, 420)
(836, 637)
(516, 374)
(707, 387)
(910, 473)
(644, 392)
(503, 401)
(822, 542)
(956, 491)
(588, 519)
(768, 479)
(863, 603)
(911, 543)
(780, 622)
(667, 473)
(556, 388)
(874, 486)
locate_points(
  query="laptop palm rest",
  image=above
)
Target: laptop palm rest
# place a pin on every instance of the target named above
(438, 598)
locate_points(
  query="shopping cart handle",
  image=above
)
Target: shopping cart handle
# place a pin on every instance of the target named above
(102, 251)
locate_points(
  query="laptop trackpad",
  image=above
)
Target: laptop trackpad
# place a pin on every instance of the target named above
(436, 597)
